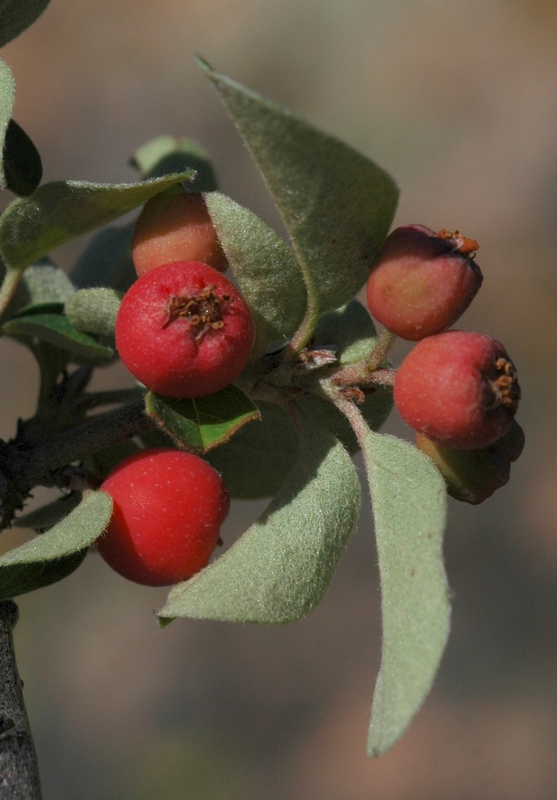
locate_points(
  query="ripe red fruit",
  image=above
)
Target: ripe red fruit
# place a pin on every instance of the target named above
(473, 475)
(168, 509)
(459, 389)
(422, 281)
(175, 226)
(184, 330)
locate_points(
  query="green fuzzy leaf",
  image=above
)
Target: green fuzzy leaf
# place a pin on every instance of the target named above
(22, 164)
(58, 212)
(53, 555)
(94, 310)
(41, 519)
(257, 460)
(265, 268)
(107, 260)
(201, 423)
(350, 330)
(17, 15)
(336, 204)
(280, 568)
(409, 508)
(42, 284)
(56, 329)
(167, 154)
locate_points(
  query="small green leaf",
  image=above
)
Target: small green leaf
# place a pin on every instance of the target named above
(409, 507)
(266, 270)
(107, 260)
(57, 329)
(94, 310)
(336, 204)
(43, 284)
(201, 423)
(167, 154)
(53, 555)
(280, 568)
(22, 164)
(58, 212)
(17, 15)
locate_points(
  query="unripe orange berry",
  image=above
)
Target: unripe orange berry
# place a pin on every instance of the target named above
(175, 226)
(422, 281)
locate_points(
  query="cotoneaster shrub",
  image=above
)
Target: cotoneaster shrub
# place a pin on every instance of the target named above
(278, 375)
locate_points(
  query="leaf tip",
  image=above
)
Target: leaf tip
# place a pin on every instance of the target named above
(203, 64)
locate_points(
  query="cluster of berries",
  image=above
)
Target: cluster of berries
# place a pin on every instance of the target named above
(183, 330)
(457, 389)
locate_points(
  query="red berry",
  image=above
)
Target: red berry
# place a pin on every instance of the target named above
(459, 389)
(175, 226)
(473, 475)
(422, 281)
(184, 330)
(168, 509)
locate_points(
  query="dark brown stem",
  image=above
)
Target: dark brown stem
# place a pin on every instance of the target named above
(19, 772)
(28, 462)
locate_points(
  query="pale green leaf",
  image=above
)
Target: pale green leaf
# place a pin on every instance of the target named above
(17, 15)
(336, 204)
(41, 284)
(280, 568)
(94, 310)
(58, 212)
(266, 270)
(45, 517)
(53, 555)
(409, 509)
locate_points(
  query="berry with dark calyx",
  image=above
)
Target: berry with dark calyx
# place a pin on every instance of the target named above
(168, 508)
(175, 226)
(184, 330)
(473, 475)
(422, 281)
(459, 389)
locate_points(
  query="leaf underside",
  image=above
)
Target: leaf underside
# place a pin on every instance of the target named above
(54, 555)
(409, 508)
(336, 204)
(280, 568)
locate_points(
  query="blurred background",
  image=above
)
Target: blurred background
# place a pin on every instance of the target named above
(458, 100)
